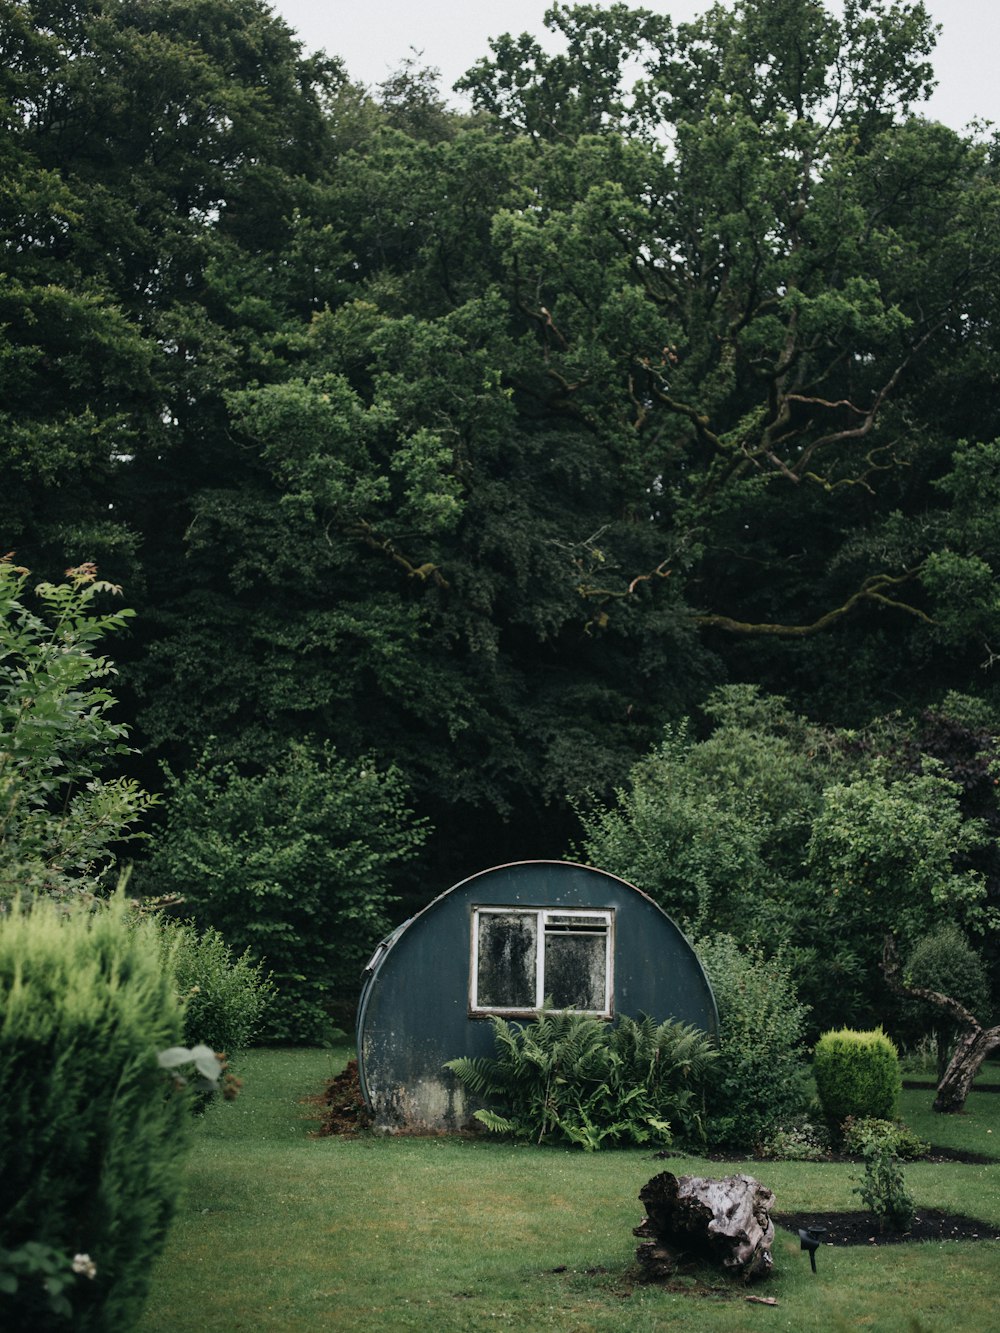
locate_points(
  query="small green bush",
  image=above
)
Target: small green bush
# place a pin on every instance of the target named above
(92, 1134)
(883, 1187)
(861, 1134)
(568, 1077)
(798, 1142)
(857, 1074)
(224, 997)
(760, 1081)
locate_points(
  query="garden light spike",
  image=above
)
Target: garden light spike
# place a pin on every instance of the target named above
(812, 1239)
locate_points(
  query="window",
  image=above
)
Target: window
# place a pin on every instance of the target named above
(521, 956)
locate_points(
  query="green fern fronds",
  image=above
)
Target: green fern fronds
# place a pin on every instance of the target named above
(570, 1077)
(497, 1123)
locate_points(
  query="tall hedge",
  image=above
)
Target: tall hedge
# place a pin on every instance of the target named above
(758, 1084)
(92, 1135)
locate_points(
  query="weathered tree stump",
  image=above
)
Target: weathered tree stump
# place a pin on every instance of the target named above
(727, 1222)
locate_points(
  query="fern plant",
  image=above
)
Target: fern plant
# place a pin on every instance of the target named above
(569, 1077)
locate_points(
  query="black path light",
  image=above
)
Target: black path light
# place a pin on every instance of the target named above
(812, 1239)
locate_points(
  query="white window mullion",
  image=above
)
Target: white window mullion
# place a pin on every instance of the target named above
(540, 962)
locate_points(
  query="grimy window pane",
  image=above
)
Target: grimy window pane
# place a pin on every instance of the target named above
(507, 950)
(575, 969)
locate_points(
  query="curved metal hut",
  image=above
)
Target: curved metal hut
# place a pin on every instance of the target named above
(505, 942)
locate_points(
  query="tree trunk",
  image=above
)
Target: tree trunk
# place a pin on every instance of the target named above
(726, 1221)
(974, 1042)
(971, 1049)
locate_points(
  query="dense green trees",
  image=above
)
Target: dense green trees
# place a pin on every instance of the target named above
(488, 445)
(816, 844)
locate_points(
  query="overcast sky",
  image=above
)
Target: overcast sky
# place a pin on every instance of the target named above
(374, 36)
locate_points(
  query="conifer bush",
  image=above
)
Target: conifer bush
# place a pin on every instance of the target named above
(92, 1130)
(857, 1074)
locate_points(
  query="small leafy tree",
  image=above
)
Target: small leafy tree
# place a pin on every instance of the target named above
(716, 829)
(973, 1043)
(944, 961)
(883, 851)
(569, 1077)
(60, 820)
(883, 1187)
(294, 865)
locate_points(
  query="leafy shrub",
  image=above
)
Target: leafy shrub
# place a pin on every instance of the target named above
(860, 1134)
(800, 1142)
(91, 1133)
(38, 1278)
(293, 865)
(883, 1188)
(884, 848)
(60, 821)
(857, 1074)
(224, 997)
(760, 1081)
(569, 1077)
(716, 830)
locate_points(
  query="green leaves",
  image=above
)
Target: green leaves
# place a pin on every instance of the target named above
(292, 864)
(885, 852)
(60, 821)
(817, 841)
(569, 1077)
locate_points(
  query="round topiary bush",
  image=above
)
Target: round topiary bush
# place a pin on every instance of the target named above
(857, 1074)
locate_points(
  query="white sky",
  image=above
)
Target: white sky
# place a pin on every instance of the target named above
(373, 38)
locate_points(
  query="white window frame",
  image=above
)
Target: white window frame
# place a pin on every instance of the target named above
(543, 915)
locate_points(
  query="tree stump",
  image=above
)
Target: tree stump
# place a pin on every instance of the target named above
(727, 1222)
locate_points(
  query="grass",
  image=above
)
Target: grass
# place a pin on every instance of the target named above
(281, 1231)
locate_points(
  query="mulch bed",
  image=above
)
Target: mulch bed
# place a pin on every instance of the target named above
(860, 1229)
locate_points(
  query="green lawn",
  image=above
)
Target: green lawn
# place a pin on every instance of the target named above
(279, 1230)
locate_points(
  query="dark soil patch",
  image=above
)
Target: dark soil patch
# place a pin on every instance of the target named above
(343, 1107)
(936, 1154)
(861, 1228)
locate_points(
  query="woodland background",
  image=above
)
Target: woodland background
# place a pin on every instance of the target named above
(611, 471)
